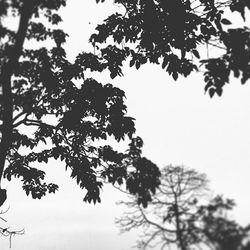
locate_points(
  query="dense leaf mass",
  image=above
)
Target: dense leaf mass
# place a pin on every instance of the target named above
(171, 34)
(71, 115)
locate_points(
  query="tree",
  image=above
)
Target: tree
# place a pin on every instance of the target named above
(219, 231)
(173, 34)
(168, 219)
(39, 83)
(177, 216)
(45, 113)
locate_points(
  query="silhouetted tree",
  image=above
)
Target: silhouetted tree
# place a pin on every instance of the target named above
(171, 34)
(181, 214)
(219, 231)
(168, 219)
(38, 84)
(44, 111)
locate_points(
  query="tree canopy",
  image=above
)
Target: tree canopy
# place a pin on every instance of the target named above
(176, 35)
(40, 87)
(218, 229)
(45, 113)
(49, 108)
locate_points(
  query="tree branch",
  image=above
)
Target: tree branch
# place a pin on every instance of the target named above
(153, 223)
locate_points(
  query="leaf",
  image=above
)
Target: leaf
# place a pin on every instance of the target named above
(211, 92)
(196, 53)
(225, 21)
(113, 74)
(165, 62)
(137, 64)
(208, 85)
(219, 91)
(175, 75)
(132, 62)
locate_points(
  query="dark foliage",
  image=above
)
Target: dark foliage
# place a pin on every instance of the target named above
(70, 122)
(220, 231)
(3, 196)
(171, 34)
(39, 84)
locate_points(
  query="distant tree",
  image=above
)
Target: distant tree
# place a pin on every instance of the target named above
(177, 216)
(45, 113)
(169, 217)
(219, 231)
(175, 35)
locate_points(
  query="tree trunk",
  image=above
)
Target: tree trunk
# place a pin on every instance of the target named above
(179, 233)
(7, 71)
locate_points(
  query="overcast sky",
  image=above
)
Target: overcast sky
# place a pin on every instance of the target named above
(179, 125)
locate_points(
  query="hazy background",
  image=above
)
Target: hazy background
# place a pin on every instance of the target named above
(179, 125)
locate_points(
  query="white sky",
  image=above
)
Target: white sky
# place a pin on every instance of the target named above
(179, 125)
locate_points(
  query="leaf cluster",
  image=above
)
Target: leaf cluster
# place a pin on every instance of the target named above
(173, 34)
(58, 113)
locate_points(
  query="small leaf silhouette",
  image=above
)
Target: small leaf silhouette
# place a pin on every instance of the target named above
(196, 53)
(225, 21)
